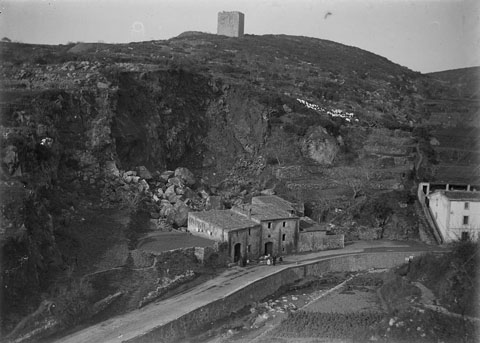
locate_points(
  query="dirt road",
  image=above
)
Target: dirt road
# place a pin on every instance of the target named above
(141, 321)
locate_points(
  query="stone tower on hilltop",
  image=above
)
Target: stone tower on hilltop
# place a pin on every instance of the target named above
(231, 24)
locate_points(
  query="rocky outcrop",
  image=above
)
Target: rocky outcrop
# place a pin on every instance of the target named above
(319, 146)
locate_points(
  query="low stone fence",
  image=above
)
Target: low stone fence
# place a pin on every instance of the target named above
(319, 240)
(258, 290)
(216, 255)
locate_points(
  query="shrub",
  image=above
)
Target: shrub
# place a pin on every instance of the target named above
(328, 325)
(72, 303)
(130, 200)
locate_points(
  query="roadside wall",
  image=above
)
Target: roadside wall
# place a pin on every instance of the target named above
(214, 256)
(318, 240)
(428, 214)
(258, 290)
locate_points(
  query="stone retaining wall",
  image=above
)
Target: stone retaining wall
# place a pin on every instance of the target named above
(258, 290)
(318, 240)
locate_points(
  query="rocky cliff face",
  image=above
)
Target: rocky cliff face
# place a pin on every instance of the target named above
(313, 120)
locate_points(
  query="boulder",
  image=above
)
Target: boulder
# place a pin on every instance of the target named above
(111, 168)
(286, 108)
(214, 202)
(175, 181)
(170, 191)
(180, 214)
(10, 158)
(319, 146)
(166, 175)
(166, 208)
(144, 173)
(175, 198)
(267, 192)
(190, 194)
(434, 141)
(203, 194)
(185, 175)
(143, 186)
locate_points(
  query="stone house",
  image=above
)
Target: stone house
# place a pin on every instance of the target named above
(279, 228)
(456, 213)
(243, 235)
(269, 225)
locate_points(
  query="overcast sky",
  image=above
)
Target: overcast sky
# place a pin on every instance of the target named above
(424, 35)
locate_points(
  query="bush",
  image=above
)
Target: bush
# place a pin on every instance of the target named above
(72, 303)
(130, 200)
(354, 325)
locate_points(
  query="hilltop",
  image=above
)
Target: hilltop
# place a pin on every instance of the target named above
(315, 121)
(464, 81)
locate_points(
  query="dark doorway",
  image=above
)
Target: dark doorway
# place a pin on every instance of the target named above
(237, 252)
(425, 189)
(268, 248)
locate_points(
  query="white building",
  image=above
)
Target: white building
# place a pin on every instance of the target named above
(457, 213)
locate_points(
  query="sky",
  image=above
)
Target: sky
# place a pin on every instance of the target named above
(423, 35)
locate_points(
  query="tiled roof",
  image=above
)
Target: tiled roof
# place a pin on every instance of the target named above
(273, 200)
(262, 212)
(226, 219)
(459, 195)
(463, 195)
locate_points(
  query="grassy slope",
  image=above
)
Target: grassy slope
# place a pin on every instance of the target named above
(465, 80)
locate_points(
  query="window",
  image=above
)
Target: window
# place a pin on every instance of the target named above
(269, 225)
(465, 220)
(249, 232)
(284, 223)
(283, 249)
(283, 237)
(249, 248)
(466, 206)
(269, 236)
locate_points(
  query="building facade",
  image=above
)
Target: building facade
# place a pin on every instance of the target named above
(279, 228)
(456, 213)
(231, 24)
(268, 226)
(241, 234)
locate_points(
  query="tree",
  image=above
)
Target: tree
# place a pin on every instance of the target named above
(6, 40)
(357, 178)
